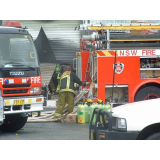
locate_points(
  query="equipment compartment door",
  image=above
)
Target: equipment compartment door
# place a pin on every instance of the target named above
(126, 70)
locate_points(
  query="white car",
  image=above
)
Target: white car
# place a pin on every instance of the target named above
(132, 121)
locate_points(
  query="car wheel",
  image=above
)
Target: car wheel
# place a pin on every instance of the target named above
(155, 136)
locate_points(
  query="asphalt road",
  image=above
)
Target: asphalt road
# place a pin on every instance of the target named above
(49, 131)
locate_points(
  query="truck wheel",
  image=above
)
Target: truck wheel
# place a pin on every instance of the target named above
(150, 92)
(13, 123)
(155, 136)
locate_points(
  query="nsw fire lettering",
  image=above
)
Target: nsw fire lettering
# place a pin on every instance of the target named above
(128, 52)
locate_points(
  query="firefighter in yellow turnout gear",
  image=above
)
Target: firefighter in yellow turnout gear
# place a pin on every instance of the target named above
(67, 93)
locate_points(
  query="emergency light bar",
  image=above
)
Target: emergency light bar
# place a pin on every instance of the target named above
(12, 24)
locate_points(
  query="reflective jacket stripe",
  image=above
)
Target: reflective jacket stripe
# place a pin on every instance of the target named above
(66, 77)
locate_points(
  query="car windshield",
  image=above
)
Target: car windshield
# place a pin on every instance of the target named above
(17, 48)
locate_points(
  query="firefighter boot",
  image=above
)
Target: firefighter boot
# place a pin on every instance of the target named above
(56, 119)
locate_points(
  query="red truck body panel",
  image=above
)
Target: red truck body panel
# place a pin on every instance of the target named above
(127, 70)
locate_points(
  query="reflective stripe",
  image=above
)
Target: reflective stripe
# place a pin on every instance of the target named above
(68, 81)
(66, 74)
(57, 115)
(58, 76)
(64, 90)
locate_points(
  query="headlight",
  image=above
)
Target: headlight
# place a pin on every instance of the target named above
(122, 123)
(35, 90)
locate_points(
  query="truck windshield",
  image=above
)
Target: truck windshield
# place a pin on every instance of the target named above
(17, 48)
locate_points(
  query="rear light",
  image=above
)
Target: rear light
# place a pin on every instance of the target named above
(12, 24)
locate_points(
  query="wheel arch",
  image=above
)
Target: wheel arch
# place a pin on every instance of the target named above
(149, 130)
(140, 87)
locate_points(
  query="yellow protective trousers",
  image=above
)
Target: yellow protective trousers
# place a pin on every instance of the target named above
(64, 97)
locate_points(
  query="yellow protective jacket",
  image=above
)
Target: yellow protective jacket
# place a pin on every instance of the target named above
(67, 81)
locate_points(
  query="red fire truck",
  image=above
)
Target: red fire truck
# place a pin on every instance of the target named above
(20, 77)
(123, 66)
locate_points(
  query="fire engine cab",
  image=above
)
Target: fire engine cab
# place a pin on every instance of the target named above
(20, 77)
(123, 64)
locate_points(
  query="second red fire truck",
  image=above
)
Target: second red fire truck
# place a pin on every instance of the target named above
(126, 65)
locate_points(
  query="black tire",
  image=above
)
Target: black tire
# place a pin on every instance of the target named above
(155, 136)
(150, 92)
(13, 123)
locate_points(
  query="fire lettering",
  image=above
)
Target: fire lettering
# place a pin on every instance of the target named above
(148, 52)
(35, 80)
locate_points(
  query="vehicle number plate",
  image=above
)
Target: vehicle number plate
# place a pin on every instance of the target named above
(19, 102)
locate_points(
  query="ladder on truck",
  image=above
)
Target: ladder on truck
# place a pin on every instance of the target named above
(89, 73)
(131, 26)
(89, 66)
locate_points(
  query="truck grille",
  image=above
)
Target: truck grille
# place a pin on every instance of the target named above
(15, 91)
(114, 121)
(17, 108)
(16, 85)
